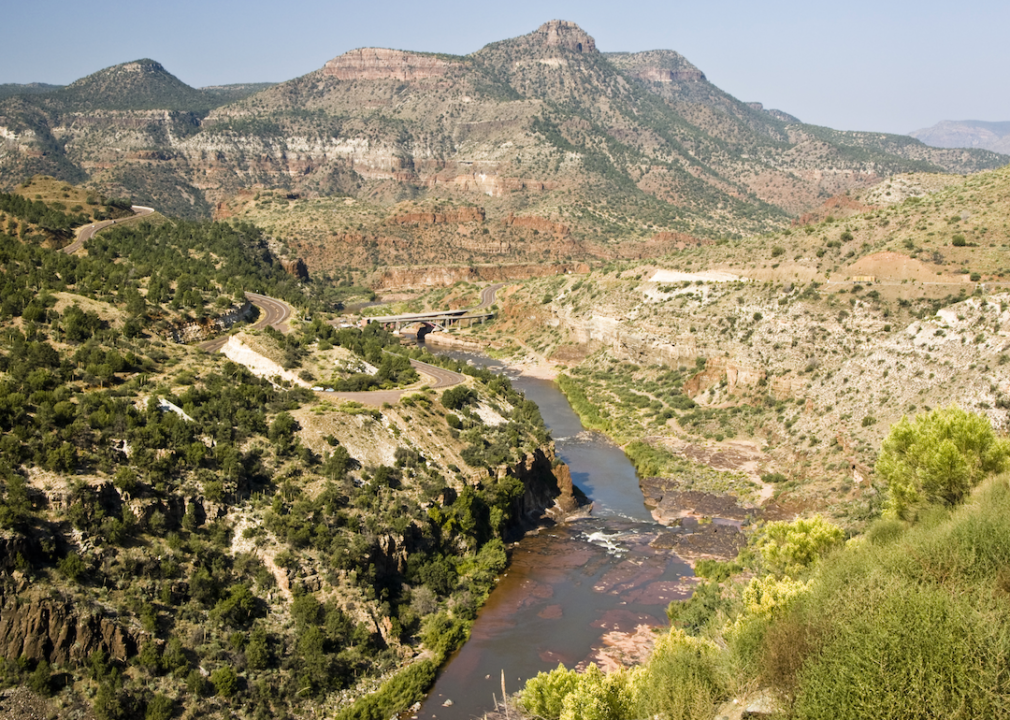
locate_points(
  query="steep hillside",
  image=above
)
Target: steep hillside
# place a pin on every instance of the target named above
(180, 536)
(786, 355)
(620, 148)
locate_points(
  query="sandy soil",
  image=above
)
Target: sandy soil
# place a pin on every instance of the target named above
(895, 266)
(668, 276)
(238, 352)
(542, 370)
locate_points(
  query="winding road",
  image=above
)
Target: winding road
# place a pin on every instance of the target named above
(276, 313)
(440, 379)
(88, 231)
(273, 313)
(487, 296)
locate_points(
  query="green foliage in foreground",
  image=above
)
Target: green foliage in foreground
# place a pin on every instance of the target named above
(911, 624)
(911, 620)
(938, 457)
(788, 548)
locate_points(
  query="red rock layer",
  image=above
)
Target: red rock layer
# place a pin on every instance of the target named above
(383, 64)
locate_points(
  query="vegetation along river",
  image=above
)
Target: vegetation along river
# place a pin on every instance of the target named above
(570, 589)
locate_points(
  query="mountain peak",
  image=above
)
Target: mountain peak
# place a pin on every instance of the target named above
(565, 34)
(139, 84)
(128, 70)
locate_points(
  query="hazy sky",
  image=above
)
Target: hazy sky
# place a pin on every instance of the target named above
(857, 65)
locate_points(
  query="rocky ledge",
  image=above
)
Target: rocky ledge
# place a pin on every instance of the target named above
(383, 64)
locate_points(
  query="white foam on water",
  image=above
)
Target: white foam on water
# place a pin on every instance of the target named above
(601, 539)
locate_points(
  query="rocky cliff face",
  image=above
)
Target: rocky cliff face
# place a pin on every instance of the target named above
(444, 276)
(60, 632)
(664, 75)
(539, 224)
(567, 35)
(383, 64)
(455, 217)
(207, 327)
(296, 268)
(549, 489)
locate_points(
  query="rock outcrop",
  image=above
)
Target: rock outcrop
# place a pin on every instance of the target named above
(57, 631)
(206, 328)
(567, 35)
(549, 489)
(539, 224)
(452, 217)
(383, 64)
(718, 369)
(445, 276)
(297, 268)
(664, 75)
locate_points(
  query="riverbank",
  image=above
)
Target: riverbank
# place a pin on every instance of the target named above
(531, 365)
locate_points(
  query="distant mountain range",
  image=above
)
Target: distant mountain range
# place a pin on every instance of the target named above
(993, 136)
(611, 146)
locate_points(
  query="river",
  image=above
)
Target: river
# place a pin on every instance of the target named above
(570, 588)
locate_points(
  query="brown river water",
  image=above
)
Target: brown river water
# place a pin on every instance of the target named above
(574, 593)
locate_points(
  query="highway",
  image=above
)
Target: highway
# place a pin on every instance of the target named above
(88, 232)
(486, 300)
(487, 296)
(276, 313)
(273, 313)
(440, 378)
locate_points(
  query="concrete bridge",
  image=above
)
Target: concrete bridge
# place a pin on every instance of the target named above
(442, 319)
(433, 321)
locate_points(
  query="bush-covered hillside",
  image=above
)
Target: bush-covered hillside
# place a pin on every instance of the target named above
(179, 537)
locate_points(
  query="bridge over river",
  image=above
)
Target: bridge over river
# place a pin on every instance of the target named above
(442, 319)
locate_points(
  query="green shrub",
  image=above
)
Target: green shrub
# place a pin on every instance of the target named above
(904, 650)
(788, 548)
(911, 623)
(697, 611)
(159, 707)
(456, 397)
(225, 681)
(937, 457)
(543, 695)
(72, 566)
(41, 680)
(395, 695)
(684, 680)
(566, 695)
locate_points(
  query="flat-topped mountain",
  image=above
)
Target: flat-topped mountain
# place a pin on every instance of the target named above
(993, 136)
(617, 147)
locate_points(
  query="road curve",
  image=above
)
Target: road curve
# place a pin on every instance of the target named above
(441, 378)
(273, 313)
(88, 232)
(487, 295)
